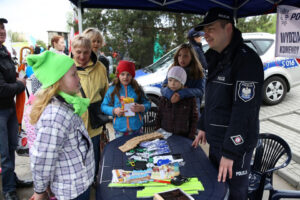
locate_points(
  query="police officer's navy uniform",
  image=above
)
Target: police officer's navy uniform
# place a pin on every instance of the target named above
(232, 103)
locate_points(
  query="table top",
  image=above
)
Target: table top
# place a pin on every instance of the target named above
(196, 165)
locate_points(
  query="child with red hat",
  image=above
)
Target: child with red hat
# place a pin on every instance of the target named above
(125, 86)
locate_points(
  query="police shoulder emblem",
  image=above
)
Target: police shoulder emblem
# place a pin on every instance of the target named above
(237, 139)
(246, 90)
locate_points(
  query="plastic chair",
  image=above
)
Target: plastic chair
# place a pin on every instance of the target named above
(269, 150)
(150, 120)
(278, 194)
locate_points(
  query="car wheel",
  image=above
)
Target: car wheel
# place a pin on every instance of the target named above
(154, 100)
(274, 90)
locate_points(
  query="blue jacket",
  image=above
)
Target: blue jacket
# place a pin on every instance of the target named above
(193, 88)
(233, 97)
(124, 124)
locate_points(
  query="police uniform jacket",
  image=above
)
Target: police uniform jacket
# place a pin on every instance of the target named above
(233, 98)
(9, 86)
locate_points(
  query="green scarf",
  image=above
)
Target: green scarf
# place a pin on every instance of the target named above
(80, 104)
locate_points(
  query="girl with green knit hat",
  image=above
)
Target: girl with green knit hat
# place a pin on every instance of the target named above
(62, 154)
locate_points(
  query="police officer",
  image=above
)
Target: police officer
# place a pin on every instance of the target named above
(230, 121)
(195, 39)
(9, 87)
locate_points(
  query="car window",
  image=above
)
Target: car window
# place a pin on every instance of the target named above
(251, 45)
(205, 47)
(263, 45)
(163, 62)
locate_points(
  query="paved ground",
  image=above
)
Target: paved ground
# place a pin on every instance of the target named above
(282, 119)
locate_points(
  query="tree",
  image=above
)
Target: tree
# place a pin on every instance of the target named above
(16, 36)
(131, 33)
(42, 44)
(262, 23)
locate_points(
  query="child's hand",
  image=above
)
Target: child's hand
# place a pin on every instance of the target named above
(137, 108)
(119, 112)
(23, 80)
(32, 197)
(175, 98)
(43, 196)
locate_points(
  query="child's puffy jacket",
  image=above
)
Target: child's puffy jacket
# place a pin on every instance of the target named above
(124, 124)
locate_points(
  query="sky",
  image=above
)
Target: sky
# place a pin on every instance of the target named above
(35, 17)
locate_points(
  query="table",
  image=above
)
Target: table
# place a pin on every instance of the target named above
(197, 165)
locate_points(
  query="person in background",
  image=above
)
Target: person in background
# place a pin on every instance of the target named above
(58, 44)
(97, 43)
(62, 155)
(10, 86)
(233, 95)
(195, 39)
(94, 83)
(179, 118)
(124, 85)
(37, 49)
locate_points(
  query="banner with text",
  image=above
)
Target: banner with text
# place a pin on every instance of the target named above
(288, 32)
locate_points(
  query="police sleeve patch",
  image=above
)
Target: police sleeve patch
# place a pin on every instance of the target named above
(246, 90)
(237, 139)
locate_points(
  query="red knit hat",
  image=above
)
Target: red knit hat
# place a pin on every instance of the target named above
(127, 66)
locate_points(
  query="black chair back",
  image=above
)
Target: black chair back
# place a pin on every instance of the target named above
(269, 150)
(150, 120)
(279, 194)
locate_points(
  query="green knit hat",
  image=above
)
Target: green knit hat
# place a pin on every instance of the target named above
(49, 67)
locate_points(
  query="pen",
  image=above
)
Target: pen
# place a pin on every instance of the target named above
(161, 181)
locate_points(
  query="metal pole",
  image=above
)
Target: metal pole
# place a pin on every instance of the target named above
(79, 17)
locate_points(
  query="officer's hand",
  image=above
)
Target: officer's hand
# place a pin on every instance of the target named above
(200, 138)
(175, 98)
(224, 168)
(118, 111)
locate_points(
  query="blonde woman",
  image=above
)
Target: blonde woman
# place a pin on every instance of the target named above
(97, 43)
(94, 84)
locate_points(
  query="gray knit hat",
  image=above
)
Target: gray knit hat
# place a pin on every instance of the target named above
(177, 73)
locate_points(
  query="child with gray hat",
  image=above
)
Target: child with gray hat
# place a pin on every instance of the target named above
(178, 118)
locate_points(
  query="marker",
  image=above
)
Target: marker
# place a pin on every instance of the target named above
(161, 181)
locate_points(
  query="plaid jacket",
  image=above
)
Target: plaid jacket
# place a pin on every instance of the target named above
(62, 155)
(179, 118)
